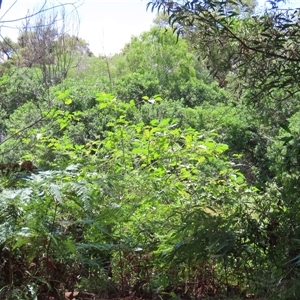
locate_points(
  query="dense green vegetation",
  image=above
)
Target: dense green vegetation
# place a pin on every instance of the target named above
(167, 171)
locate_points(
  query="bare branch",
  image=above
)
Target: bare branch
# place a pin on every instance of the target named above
(75, 5)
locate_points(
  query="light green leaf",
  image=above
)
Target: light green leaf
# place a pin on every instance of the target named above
(68, 101)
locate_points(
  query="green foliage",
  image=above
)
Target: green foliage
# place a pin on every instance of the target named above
(91, 69)
(138, 192)
(134, 86)
(260, 47)
(159, 110)
(34, 236)
(173, 188)
(19, 132)
(277, 210)
(284, 151)
(157, 63)
(82, 93)
(196, 92)
(19, 86)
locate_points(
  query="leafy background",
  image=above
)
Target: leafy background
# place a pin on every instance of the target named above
(167, 171)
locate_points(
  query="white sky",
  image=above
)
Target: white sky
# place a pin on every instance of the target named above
(107, 25)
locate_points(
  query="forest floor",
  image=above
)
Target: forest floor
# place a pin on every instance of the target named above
(91, 296)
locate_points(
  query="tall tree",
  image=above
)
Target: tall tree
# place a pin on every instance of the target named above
(157, 63)
(261, 47)
(47, 42)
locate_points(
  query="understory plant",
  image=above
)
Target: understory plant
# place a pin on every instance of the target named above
(150, 208)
